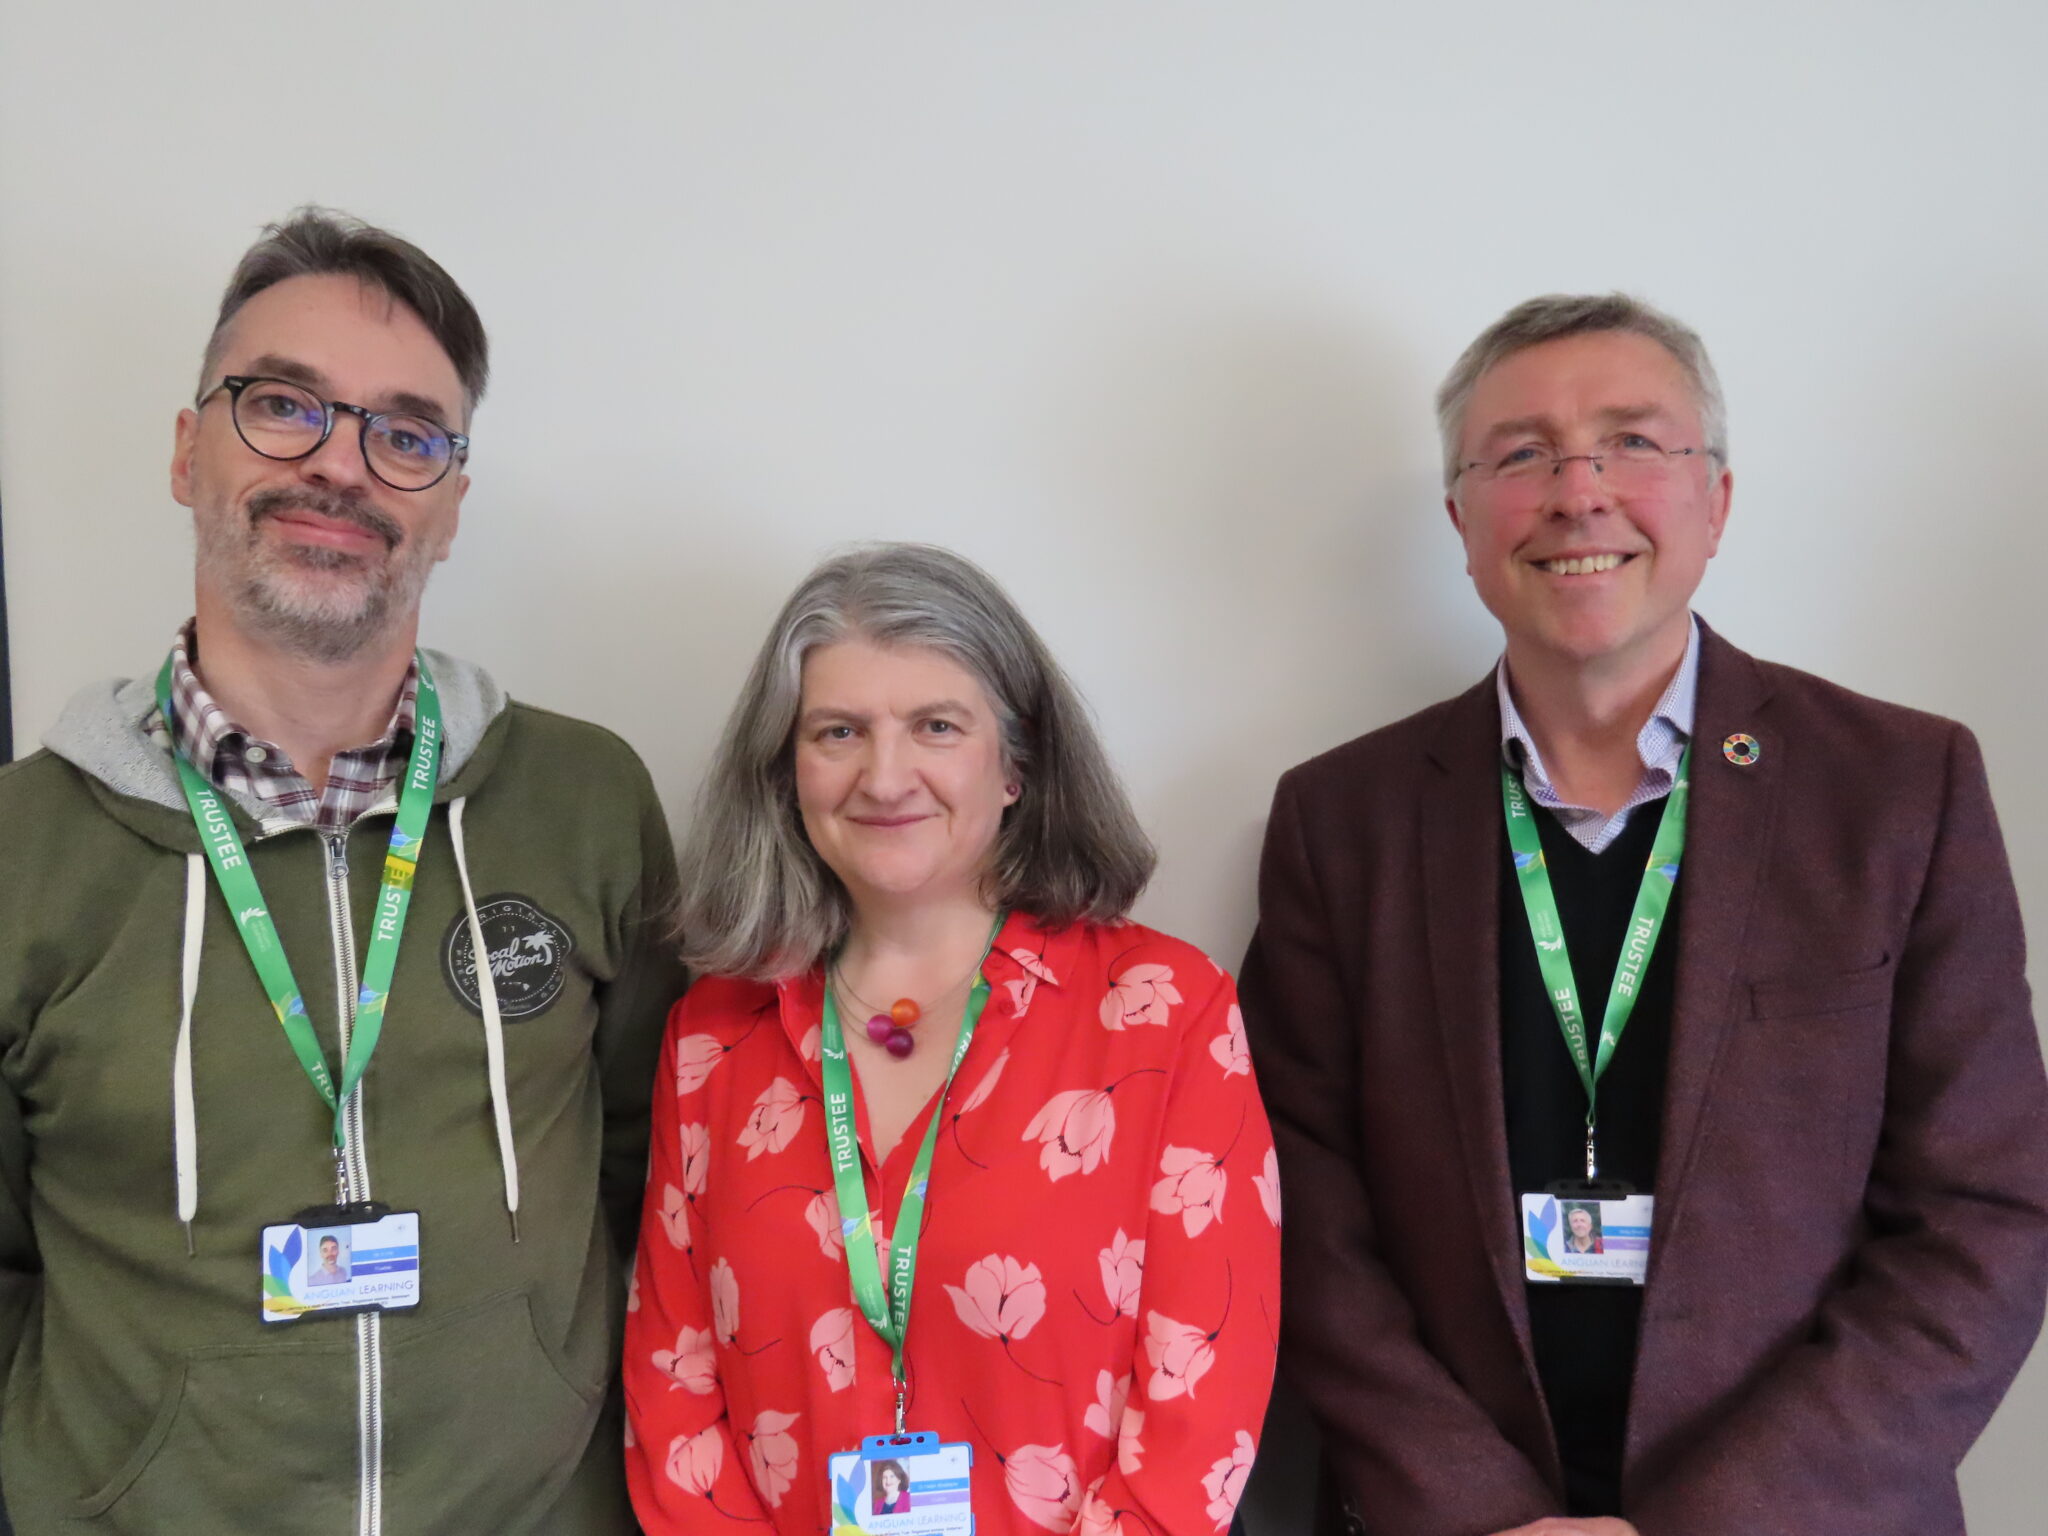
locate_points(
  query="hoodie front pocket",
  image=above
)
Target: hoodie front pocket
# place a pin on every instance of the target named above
(243, 1437)
(483, 1426)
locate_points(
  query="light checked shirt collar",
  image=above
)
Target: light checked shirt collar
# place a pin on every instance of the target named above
(1660, 744)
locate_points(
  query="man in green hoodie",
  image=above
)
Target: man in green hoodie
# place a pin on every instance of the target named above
(218, 875)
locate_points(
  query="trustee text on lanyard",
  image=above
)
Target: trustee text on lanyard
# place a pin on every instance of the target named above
(1653, 902)
(887, 1310)
(230, 861)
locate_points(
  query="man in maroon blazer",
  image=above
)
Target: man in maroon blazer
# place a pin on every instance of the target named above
(1825, 1077)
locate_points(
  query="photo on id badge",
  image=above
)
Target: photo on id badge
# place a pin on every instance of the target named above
(1589, 1236)
(328, 1264)
(902, 1483)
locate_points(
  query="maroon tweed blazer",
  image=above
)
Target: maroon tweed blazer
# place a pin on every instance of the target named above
(1852, 1208)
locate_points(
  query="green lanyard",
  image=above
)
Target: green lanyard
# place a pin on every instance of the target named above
(259, 934)
(888, 1313)
(1653, 901)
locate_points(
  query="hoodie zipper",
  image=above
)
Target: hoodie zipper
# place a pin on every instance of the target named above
(352, 1184)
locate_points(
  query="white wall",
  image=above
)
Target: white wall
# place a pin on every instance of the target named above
(1139, 304)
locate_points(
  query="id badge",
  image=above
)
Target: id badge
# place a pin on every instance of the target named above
(338, 1260)
(902, 1483)
(1587, 1234)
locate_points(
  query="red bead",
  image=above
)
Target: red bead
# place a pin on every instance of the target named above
(900, 1043)
(905, 1011)
(880, 1028)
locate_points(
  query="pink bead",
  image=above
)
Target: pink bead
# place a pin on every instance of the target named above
(880, 1028)
(900, 1043)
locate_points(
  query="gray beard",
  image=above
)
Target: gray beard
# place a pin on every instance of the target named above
(313, 627)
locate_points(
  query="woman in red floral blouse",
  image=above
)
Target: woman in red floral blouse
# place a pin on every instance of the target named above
(910, 816)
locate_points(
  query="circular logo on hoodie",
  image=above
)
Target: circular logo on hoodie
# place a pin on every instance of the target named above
(527, 951)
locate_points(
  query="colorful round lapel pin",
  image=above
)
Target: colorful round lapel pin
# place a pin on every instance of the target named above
(1741, 750)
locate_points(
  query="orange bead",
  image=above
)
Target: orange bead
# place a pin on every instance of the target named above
(905, 1011)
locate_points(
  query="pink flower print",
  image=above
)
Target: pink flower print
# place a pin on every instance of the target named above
(777, 1115)
(1192, 1189)
(1035, 970)
(1077, 1128)
(1144, 994)
(1229, 1048)
(1130, 1451)
(1268, 1184)
(1123, 1271)
(1097, 1518)
(1179, 1356)
(696, 1055)
(675, 1216)
(694, 1461)
(633, 1285)
(1112, 1416)
(1044, 1484)
(1107, 1411)
(690, 1364)
(1224, 1481)
(832, 1343)
(808, 1046)
(1002, 1299)
(725, 1302)
(771, 1452)
(823, 1215)
(986, 1086)
(696, 1142)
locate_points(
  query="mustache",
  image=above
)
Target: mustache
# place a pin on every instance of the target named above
(328, 504)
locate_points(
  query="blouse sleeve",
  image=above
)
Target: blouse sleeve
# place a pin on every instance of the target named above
(683, 1468)
(1208, 1299)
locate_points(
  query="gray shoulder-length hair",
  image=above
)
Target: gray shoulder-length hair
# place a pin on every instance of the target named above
(757, 900)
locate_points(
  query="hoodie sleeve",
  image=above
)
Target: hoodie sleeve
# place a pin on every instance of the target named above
(20, 1266)
(632, 1008)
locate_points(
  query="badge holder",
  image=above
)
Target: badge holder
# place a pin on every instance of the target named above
(906, 1482)
(339, 1260)
(1587, 1232)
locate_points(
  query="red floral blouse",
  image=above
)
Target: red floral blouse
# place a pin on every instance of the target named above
(1097, 1285)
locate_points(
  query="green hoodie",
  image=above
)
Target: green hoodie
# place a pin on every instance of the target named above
(143, 1391)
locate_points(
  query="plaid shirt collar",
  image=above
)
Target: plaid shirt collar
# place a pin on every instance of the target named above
(226, 755)
(1660, 744)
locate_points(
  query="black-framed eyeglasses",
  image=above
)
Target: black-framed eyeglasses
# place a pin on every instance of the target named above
(1633, 460)
(283, 420)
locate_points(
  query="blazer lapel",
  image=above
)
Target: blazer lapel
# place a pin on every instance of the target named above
(1729, 821)
(1461, 848)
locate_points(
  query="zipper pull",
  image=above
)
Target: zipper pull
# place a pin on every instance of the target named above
(337, 850)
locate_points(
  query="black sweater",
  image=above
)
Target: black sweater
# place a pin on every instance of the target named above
(1585, 1335)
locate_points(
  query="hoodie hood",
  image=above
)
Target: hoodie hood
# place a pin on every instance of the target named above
(101, 733)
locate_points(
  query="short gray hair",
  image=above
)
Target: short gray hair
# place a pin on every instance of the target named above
(756, 898)
(319, 242)
(1557, 315)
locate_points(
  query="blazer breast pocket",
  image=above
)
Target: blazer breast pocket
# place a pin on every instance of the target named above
(1792, 997)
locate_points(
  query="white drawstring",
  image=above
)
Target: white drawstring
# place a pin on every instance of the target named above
(184, 1127)
(494, 1028)
(184, 1116)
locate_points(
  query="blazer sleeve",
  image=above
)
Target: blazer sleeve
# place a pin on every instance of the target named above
(1942, 1298)
(684, 1469)
(1411, 1453)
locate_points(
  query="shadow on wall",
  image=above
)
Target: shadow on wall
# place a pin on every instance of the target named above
(1275, 467)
